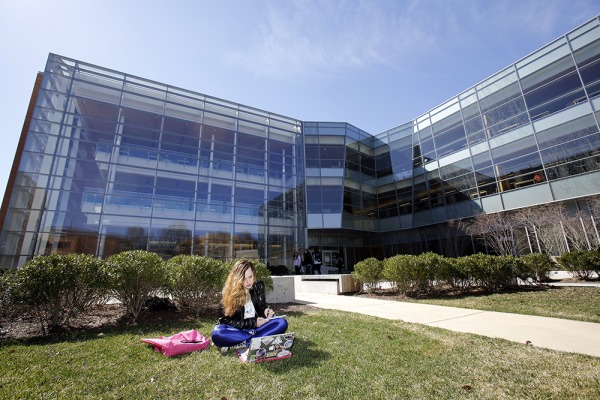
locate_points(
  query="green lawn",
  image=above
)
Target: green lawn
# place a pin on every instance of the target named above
(577, 303)
(337, 355)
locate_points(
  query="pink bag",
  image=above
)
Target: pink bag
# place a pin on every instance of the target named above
(183, 342)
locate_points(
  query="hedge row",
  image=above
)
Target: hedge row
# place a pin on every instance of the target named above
(430, 272)
(55, 288)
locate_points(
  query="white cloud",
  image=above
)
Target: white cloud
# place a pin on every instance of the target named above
(335, 38)
(308, 37)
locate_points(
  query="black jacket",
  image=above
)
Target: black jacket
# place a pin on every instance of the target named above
(308, 260)
(237, 320)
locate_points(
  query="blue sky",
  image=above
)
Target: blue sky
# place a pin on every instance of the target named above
(373, 63)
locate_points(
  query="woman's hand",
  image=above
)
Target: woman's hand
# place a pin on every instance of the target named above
(261, 321)
(269, 313)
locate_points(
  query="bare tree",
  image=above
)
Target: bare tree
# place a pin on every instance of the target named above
(545, 225)
(575, 230)
(549, 228)
(532, 218)
(594, 205)
(555, 230)
(496, 230)
(552, 233)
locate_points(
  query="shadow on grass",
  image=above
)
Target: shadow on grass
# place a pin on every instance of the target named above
(151, 324)
(304, 355)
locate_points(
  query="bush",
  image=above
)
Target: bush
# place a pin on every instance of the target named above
(584, 264)
(7, 306)
(539, 266)
(400, 270)
(91, 285)
(477, 266)
(263, 274)
(504, 272)
(467, 271)
(58, 287)
(278, 270)
(430, 270)
(416, 273)
(456, 273)
(520, 269)
(135, 276)
(369, 272)
(195, 282)
(494, 272)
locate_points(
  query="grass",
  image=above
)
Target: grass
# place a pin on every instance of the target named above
(576, 303)
(337, 355)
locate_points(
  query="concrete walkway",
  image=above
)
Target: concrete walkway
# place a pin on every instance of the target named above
(551, 333)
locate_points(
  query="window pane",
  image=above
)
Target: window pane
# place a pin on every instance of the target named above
(504, 112)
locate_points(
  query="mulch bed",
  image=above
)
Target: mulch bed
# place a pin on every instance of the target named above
(19, 327)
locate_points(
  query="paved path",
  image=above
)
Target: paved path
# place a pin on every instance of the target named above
(551, 333)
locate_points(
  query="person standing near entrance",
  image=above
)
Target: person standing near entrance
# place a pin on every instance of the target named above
(297, 263)
(317, 261)
(307, 262)
(340, 263)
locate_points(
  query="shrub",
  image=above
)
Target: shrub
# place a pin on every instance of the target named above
(584, 264)
(504, 272)
(278, 270)
(194, 281)
(7, 306)
(369, 272)
(477, 265)
(494, 272)
(539, 266)
(520, 269)
(400, 270)
(430, 271)
(58, 287)
(467, 271)
(135, 276)
(91, 283)
(456, 272)
(416, 273)
(263, 274)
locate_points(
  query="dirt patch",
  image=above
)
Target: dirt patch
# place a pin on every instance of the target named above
(25, 326)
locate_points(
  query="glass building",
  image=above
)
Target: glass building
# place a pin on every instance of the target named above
(109, 162)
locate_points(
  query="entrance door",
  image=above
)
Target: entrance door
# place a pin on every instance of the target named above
(328, 262)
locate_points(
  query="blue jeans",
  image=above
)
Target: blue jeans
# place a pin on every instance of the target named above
(227, 335)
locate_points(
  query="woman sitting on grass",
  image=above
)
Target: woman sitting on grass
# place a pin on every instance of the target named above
(243, 312)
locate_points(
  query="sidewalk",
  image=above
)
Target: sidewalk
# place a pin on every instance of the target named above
(551, 333)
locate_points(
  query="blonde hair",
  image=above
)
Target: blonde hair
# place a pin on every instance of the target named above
(234, 293)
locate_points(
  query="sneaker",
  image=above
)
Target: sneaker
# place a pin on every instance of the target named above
(241, 345)
(225, 349)
(221, 349)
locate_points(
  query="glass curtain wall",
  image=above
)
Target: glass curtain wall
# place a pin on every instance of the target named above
(527, 135)
(113, 163)
(341, 194)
